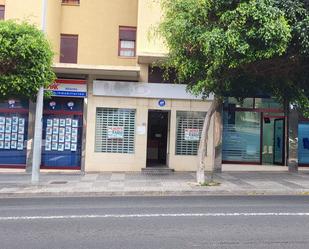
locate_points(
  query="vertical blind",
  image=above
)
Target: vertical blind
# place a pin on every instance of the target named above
(241, 136)
(188, 120)
(106, 118)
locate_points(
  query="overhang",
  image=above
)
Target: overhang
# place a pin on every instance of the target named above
(149, 58)
(130, 72)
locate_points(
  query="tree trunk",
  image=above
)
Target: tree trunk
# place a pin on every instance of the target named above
(217, 143)
(202, 152)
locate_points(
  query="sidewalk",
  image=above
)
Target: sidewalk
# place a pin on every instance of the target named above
(136, 183)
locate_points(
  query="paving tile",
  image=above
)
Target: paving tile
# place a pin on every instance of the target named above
(104, 176)
(89, 177)
(117, 177)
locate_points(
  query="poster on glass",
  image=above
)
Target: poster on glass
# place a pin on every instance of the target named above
(67, 146)
(14, 128)
(68, 137)
(48, 138)
(73, 147)
(56, 122)
(49, 130)
(21, 130)
(60, 147)
(7, 145)
(47, 146)
(62, 122)
(7, 136)
(68, 122)
(49, 123)
(13, 144)
(75, 123)
(8, 121)
(55, 138)
(14, 136)
(54, 146)
(15, 120)
(74, 131)
(68, 130)
(61, 139)
(8, 128)
(21, 121)
(20, 146)
(20, 138)
(55, 130)
(74, 139)
(61, 131)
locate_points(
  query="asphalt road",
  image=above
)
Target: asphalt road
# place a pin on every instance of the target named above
(155, 222)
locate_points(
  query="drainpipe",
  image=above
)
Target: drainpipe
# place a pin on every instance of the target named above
(37, 142)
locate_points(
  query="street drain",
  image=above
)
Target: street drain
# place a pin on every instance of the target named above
(59, 182)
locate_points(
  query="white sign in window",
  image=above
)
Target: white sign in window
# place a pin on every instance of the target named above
(192, 134)
(188, 127)
(115, 132)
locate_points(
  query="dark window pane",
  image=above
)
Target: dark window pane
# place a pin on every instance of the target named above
(71, 1)
(156, 75)
(2, 11)
(127, 34)
(68, 48)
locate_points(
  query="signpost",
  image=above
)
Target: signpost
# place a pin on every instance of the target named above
(37, 140)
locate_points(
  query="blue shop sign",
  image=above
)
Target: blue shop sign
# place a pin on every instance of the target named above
(161, 102)
(69, 94)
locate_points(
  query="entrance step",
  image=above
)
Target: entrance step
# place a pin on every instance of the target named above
(157, 170)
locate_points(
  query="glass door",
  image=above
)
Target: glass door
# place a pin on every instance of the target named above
(279, 141)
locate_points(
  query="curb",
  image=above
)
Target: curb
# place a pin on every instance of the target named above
(152, 194)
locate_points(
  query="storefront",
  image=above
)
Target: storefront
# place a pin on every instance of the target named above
(253, 132)
(13, 133)
(63, 125)
(131, 126)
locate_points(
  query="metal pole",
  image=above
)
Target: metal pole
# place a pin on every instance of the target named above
(37, 143)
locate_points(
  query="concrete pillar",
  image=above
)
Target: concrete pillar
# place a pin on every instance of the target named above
(292, 153)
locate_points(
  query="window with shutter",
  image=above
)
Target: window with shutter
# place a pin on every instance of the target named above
(2, 12)
(115, 130)
(188, 133)
(68, 48)
(127, 41)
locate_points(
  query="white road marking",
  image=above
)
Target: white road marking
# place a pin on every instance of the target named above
(146, 216)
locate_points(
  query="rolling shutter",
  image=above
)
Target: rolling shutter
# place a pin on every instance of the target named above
(188, 120)
(109, 118)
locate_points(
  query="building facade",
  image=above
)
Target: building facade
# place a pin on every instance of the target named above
(112, 110)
